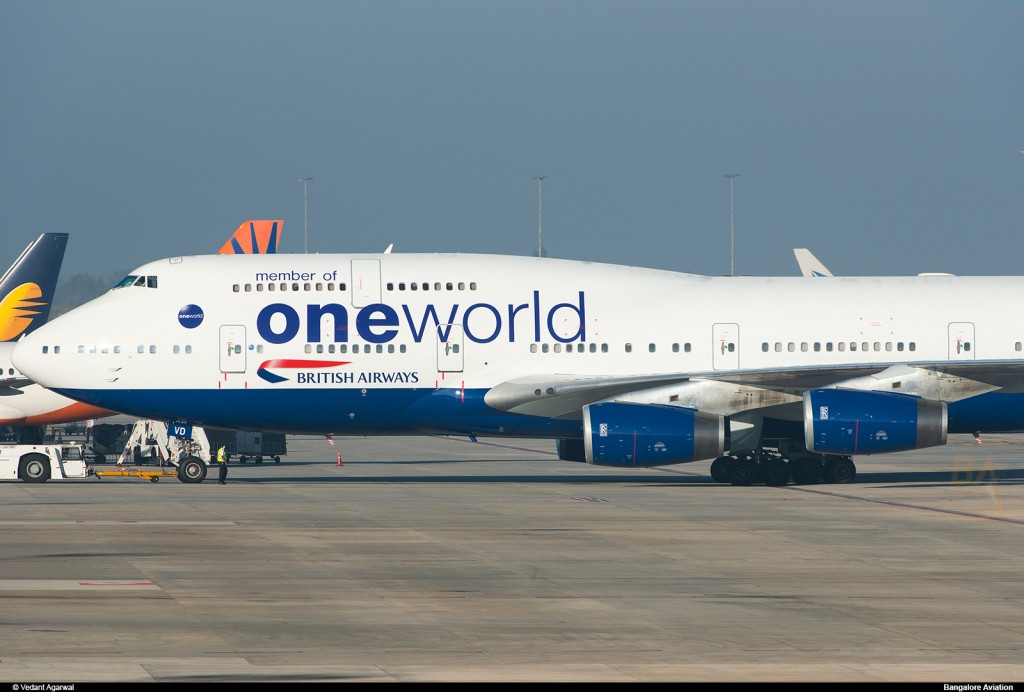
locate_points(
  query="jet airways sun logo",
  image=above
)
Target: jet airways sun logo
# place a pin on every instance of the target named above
(18, 309)
(285, 363)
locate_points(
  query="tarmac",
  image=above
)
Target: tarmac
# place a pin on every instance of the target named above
(422, 559)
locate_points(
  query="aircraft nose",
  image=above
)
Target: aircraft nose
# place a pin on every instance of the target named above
(25, 357)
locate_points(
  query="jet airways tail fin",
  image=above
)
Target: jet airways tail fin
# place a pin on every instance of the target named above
(809, 264)
(254, 238)
(26, 289)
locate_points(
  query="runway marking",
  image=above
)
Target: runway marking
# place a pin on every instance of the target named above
(907, 505)
(114, 522)
(891, 503)
(74, 585)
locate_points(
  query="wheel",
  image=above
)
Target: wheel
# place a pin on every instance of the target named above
(806, 470)
(35, 468)
(277, 459)
(721, 469)
(744, 472)
(259, 460)
(839, 469)
(775, 472)
(242, 460)
(154, 480)
(192, 470)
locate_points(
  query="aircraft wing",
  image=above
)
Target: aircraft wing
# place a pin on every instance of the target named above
(728, 393)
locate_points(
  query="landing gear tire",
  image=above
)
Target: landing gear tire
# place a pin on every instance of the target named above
(192, 470)
(744, 472)
(839, 469)
(35, 468)
(775, 472)
(806, 470)
(721, 469)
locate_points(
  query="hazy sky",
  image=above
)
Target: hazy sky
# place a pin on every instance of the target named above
(884, 136)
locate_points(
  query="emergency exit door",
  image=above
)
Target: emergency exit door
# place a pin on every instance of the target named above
(726, 346)
(232, 348)
(449, 348)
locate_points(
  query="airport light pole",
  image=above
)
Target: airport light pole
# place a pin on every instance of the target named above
(732, 265)
(540, 200)
(305, 213)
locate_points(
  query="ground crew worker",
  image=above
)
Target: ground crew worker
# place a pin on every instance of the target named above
(222, 462)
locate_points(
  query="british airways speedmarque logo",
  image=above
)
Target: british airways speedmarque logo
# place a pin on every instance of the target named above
(288, 364)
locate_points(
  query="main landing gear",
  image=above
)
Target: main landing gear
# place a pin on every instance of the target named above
(771, 468)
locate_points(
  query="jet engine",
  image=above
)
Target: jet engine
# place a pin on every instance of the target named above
(848, 421)
(626, 434)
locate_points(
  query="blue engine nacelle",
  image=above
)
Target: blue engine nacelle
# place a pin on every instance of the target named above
(621, 434)
(848, 421)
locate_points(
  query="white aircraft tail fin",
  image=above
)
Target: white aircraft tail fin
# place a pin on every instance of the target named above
(809, 264)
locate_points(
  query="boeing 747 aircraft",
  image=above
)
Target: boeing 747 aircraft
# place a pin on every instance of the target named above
(774, 378)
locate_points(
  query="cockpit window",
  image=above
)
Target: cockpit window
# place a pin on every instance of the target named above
(136, 280)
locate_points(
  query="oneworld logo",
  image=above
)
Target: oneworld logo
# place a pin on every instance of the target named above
(190, 316)
(379, 323)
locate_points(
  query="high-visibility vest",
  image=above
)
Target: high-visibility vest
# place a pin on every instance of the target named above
(222, 456)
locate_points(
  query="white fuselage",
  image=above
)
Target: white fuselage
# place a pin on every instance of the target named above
(347, 327)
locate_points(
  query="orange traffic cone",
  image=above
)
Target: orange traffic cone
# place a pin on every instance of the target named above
(339, 459)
